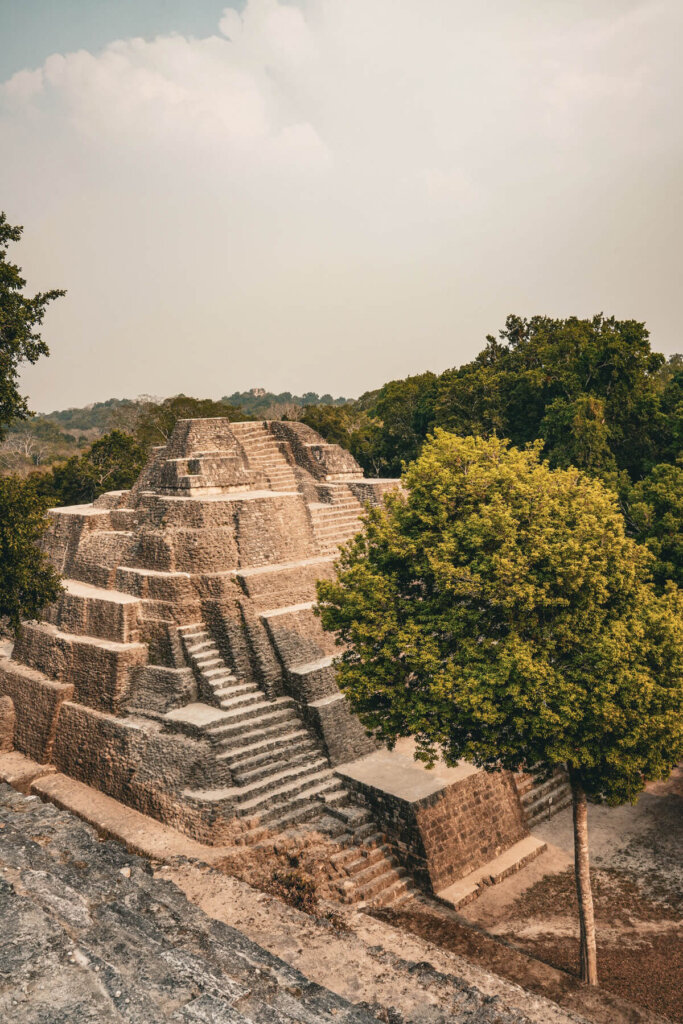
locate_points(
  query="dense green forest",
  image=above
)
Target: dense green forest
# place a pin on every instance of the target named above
(592, 390)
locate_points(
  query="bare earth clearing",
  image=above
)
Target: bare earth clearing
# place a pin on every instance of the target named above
(638, 891)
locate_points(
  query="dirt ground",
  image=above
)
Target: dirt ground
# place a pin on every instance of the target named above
(637, 859)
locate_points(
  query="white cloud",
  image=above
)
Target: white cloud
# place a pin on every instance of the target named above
(331, 194)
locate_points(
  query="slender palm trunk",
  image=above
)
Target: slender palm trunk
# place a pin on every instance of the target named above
(589, 958)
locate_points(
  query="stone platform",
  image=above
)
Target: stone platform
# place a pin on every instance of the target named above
(448, 823)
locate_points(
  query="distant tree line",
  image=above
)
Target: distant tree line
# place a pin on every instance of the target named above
(269, 406)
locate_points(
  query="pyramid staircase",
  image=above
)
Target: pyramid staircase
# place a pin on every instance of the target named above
(282, 780)
(337, 520)
(265, 454)
(277, 769)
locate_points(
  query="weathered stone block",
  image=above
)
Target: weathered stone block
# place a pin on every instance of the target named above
(99, 670)
(341, 733)
(93, 611)
(445, 829)
(37, 702)
(161, 689)
(8, 720)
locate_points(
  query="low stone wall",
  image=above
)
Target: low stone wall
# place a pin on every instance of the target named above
(441, 830)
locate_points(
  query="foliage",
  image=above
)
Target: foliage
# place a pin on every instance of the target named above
(591, 389)
(34, 442)
(20, 320)
(498, 612)
(597, 378)
(654, 510)
(261, 403)
(156, 420)
(113, 463)
(99, 416)
(383, 428)
(576, 434)
(28, 581)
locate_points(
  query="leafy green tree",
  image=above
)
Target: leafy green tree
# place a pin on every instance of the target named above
(20, 320)
(576, 434)
(113, 463)
(515, 383)
(405, 409)
(498, 612)
(654, 511)
(333, 422)
(669, 422)
(28, 581)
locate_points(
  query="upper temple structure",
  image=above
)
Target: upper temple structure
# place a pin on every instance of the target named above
(184, 673)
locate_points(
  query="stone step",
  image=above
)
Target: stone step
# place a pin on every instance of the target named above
(281, 763)
(364, 877)
(291, 609)
(341, 522)
(199, 646)
(207, 657)
(245, 754)
(541, 812)
(550, 786)
(326, 531)
(254, 725)
(237, 689)
(368, 835)
(336, 515)
(283, 782)
(348, 849)
(213, 673)
(311, 802)
(327, 535)
(378, 883)
(398, 892)
(290, 818)
(353, 816)
(275, 802)
(364, 858)
(273, 732)
(351, 515)
(243, 700)
(283, 754)
(335, 512)
(223, 682)
(266, 711)
(466, 889)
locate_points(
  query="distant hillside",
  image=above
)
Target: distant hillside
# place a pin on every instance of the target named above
(97, 416)
(258, 401)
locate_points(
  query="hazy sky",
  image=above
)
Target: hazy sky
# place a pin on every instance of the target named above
(329, 194)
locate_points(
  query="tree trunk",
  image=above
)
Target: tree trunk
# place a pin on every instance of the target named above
(589, 958)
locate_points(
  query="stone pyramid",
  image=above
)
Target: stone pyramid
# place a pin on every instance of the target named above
(183, 670)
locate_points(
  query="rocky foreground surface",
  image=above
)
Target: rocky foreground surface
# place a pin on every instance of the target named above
(89, 934)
